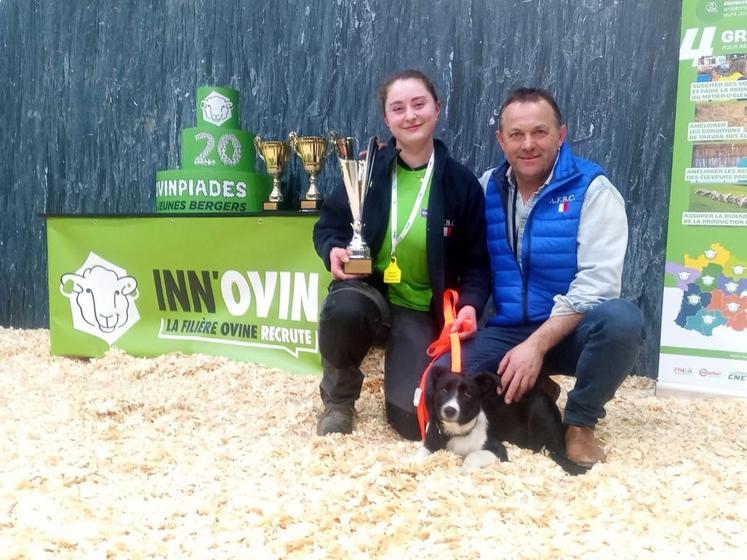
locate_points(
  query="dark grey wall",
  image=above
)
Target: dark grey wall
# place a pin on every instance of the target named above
(94, 95)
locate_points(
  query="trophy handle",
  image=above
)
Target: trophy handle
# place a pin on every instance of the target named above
(333, 138)
(258, 147)
(293, 140)
(372, 148)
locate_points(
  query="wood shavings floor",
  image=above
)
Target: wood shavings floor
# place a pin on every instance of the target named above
(203, 457)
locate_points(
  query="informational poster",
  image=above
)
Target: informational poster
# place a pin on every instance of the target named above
(704, 314)
(248, 288)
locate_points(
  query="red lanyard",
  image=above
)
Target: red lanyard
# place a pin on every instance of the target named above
(446, 341)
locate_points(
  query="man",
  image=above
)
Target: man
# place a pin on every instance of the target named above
(557, 235)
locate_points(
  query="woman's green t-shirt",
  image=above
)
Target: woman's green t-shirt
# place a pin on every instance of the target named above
(414, 291)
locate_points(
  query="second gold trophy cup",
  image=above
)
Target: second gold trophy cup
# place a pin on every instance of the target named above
(312, 150)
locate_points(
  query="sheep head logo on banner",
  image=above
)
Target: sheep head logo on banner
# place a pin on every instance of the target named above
(216, 108)
(102, 298)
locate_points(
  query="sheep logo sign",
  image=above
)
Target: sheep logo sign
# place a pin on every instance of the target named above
(216, 108)
(102, 298)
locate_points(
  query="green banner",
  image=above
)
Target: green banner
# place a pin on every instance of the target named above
(244, 287)
(704, 311)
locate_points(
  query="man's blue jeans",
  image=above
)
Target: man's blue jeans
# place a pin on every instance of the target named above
(600, 353)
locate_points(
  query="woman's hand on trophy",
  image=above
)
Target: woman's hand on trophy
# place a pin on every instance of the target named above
(338, 256)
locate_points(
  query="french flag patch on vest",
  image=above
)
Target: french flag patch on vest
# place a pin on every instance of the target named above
(563, 202)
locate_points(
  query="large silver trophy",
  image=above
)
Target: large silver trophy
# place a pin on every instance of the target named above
(356, 176)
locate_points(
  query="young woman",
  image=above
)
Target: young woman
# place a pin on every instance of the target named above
(424, 221)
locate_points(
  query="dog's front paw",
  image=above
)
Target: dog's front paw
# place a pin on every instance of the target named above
(479, 459)
(422, 453)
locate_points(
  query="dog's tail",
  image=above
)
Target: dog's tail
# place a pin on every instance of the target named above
(567, 465)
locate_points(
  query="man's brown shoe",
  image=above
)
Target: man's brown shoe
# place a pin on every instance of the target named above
(582, 447)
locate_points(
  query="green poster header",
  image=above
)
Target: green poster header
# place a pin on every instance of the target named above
(244, 287)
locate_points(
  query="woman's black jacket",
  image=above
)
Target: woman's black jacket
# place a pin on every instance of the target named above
(455, 238)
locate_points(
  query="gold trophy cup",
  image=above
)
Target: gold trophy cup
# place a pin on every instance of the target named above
(356, 176)
(312, 150)
(275, 155)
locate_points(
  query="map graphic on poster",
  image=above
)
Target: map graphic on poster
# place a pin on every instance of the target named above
(704, 311)
(714, 291)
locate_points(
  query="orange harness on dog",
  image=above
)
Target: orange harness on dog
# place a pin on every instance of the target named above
(446, 341)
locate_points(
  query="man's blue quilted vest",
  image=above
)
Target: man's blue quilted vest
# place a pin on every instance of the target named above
(548, 245)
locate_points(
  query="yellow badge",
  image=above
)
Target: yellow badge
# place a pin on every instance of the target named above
(392, 273)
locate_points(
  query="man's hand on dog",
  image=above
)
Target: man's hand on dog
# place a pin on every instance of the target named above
(519, 369)
(465, 323)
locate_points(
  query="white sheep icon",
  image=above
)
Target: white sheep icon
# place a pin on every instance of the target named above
(216, 108)
(101, 299)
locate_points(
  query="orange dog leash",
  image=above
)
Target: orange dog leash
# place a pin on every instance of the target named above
(446, 341)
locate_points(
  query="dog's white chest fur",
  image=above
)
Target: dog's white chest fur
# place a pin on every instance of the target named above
(463, 443)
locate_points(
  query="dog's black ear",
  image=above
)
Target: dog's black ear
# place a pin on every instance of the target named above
(437, 371)
(487, 382)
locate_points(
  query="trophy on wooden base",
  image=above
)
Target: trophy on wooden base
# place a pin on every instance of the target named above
(356, 176)
(275, 155)
(312, 150)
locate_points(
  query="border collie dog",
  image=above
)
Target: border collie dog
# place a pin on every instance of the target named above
(469, 418)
